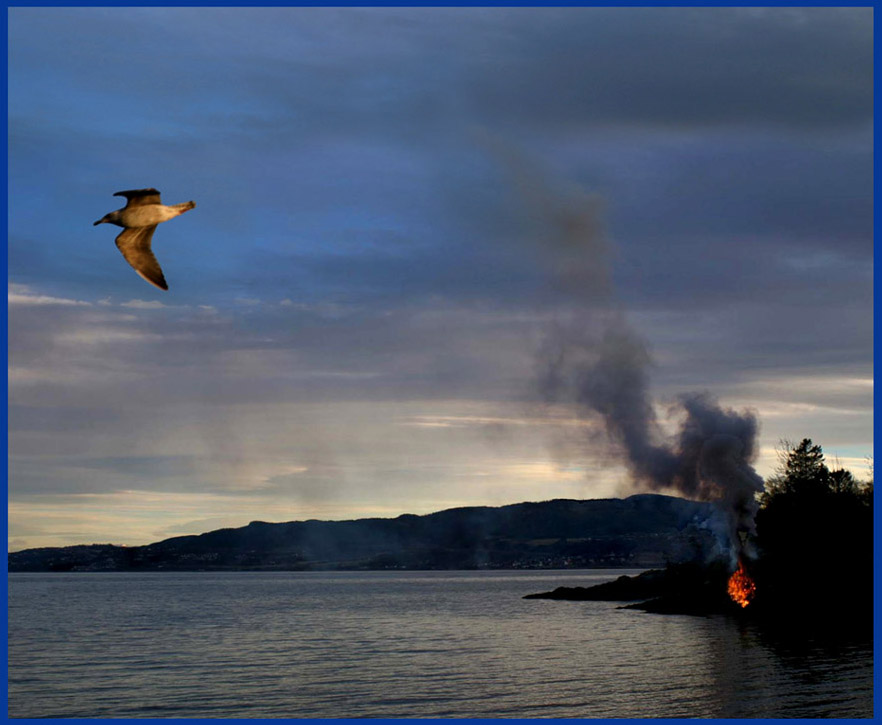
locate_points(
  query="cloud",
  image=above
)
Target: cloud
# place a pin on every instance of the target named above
(357, 286)
(472, 421)
(711, 67)
(143, 304)
(20, 294)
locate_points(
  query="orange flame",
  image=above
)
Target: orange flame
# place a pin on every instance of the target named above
(741, 586)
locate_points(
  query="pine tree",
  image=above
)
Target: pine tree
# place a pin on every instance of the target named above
(815, 526)
(801, 470)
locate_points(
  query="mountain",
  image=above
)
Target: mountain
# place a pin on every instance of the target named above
(639, 531)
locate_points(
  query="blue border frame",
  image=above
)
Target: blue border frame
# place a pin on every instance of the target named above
(488, 3)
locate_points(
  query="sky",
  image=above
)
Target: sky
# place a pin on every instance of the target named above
(391, 205)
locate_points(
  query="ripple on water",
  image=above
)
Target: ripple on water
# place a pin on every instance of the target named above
(403, 644)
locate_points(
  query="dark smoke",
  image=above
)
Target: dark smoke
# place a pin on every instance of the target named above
(594, 361)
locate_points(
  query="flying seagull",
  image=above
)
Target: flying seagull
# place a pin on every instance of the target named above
(138, 218)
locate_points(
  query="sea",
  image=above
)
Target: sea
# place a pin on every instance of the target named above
(402, 644)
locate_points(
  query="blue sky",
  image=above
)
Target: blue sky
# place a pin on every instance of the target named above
(359, 300)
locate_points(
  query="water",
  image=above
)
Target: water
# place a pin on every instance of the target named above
(402, 644)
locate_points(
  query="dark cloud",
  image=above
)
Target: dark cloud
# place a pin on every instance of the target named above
(692, 68)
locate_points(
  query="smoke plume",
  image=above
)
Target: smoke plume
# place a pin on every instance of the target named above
(594, 361)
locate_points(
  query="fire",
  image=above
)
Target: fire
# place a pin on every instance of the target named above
(741, 586)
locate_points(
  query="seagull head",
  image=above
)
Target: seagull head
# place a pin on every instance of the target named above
(110, 218)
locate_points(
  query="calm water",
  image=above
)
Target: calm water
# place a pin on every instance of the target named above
(404, 644)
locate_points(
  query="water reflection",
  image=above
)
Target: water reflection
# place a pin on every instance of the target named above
(769, 669)
(407, 644)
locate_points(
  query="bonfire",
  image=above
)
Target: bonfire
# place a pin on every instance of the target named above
(741, 587)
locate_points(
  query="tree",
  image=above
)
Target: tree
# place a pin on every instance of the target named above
(841, 481)
(865, 488)
(815, 534)
(801, 468)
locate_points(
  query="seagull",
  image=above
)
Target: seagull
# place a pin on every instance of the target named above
(138, 218)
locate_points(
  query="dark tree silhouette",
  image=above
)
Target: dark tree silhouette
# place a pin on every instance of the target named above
(802, 471)
(842, 481)
(815, 536)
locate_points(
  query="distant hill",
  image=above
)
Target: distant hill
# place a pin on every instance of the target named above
(640, 531)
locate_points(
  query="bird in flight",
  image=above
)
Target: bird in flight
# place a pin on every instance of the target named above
(138, 218)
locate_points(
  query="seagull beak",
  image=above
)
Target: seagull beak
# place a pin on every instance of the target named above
(95, 224)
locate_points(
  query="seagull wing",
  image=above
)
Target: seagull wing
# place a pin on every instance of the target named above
(137, 197)
(134, 243)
